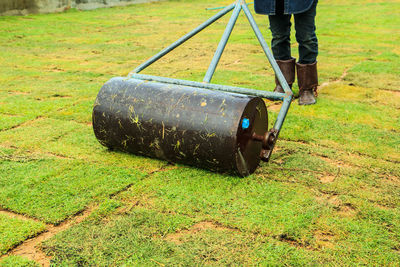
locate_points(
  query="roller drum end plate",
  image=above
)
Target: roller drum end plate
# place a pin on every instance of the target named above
(249, 149)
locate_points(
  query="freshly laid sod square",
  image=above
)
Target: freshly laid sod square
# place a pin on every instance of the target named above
(53, 189)
(14, 231)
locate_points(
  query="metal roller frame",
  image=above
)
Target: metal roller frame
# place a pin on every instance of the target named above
(270, 138)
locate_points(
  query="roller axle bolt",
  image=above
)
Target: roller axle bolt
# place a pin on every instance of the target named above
(268, 141)
(264, 139)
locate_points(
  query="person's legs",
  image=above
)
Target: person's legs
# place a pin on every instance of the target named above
(304, 24)
(280, 28)
(307, 76)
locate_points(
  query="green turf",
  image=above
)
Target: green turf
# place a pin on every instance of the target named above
(14, 230)
(329, 195)
(147, 238)
(17, 261)
(53, 189)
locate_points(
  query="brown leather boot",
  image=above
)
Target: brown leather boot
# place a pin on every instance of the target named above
(288, 70)
(307, 78)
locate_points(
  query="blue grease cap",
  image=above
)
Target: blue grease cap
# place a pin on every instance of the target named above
(245, 123)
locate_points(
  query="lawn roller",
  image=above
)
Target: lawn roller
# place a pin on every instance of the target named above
(217, 127)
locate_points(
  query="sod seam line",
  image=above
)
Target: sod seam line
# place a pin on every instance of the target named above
(20, 216)
(22, 124)
(162, 168)
(338, 80)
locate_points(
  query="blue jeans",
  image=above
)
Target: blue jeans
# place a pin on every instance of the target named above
(304, 24)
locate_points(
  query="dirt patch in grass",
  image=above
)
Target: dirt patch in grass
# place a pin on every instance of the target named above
(390, 179)
(54, 69)
(336, 163)
(9, 114)
(393, 91)
(327, 179)
(331, 199)
(343, 209)
(57, 155)
(324, 239)
(291, 241)
(275, 107)
(347, 210)
(18, 158)
(29, 155)
(178, 237)
(18, 93)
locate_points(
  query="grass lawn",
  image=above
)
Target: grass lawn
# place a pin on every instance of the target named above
(329, 195)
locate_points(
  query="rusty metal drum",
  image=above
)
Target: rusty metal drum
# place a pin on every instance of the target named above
(198, 127)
